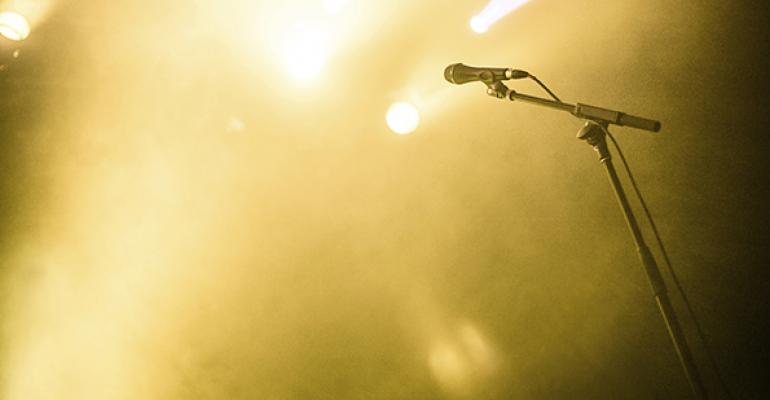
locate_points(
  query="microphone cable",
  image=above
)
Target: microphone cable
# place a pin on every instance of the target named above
(542, 85)
(698, 329)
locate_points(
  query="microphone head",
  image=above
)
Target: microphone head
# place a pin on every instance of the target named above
(460, 73)
(449, 73)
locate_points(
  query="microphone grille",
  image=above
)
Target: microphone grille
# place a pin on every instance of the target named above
(449, 73)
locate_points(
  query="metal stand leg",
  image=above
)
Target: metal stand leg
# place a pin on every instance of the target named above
(594, 134)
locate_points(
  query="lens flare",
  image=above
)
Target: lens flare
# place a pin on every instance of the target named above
(402, 118)
(13, 26)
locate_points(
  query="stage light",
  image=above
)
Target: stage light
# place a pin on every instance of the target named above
(478, 25)
(402, 118)
(305, 52)
(493, 12)
(13, 26)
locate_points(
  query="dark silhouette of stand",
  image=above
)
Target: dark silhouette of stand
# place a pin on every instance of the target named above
(594, 133)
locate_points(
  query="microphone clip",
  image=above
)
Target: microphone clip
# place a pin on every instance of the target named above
(497, 89)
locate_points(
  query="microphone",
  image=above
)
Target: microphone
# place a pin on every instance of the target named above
(460, 73)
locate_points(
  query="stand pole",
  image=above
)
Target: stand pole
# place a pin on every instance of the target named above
(594, 134)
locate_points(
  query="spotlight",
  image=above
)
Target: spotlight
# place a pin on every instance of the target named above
(478, 25)
(13, 29)
(402, 118)
(13, 26)
(305, 52)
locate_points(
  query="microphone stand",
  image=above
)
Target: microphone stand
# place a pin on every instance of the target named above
(594, 133)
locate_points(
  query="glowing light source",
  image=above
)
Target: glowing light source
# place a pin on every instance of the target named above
(478, 24)
(305, 52)
(13, 26)
(334, 6)
(493, 12)
(402, 118)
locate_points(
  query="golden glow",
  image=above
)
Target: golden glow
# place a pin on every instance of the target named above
(34, 11)
(305, 52)
(193, 230)
(448, 365)
(13, 26)
(493, 12)
(235, 125)
(477, 348)
(460, 362)
(402, 118)
(334, 6)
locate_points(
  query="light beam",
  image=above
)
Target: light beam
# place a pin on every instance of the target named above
(493, 12)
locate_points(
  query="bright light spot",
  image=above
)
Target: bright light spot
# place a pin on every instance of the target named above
(478, 25)
(334, 6)
(402, 118)
(493, 12)
(305, 52)
(461, 362)
(476, 346)
(447, 365)
(13, 26)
